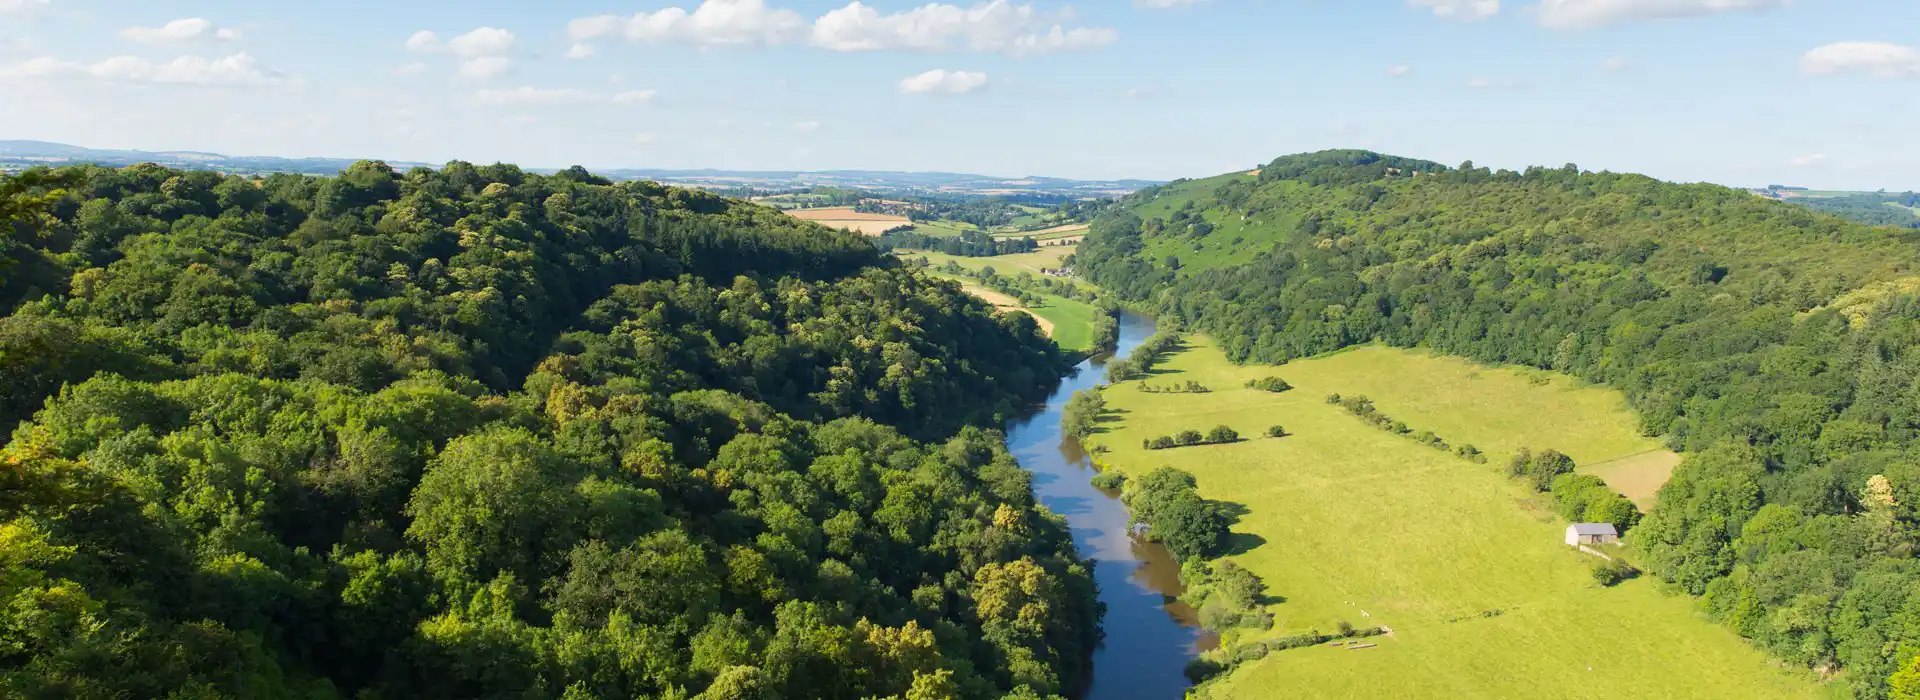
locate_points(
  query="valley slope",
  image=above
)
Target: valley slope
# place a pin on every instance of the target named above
(1715, 311)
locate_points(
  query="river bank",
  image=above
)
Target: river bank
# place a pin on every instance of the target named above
(1149, 635)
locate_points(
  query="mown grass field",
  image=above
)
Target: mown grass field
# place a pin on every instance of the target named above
(1346, 522)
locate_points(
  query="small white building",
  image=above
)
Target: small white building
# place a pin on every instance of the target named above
(1591, 533)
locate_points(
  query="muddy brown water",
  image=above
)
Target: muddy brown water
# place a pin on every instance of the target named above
(1150, 635)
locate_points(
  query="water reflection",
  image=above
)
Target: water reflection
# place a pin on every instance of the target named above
(1150, 635)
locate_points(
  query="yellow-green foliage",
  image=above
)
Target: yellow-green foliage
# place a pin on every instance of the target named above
(1351, 518)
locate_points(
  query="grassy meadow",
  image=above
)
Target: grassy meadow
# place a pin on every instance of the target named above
(1346, 522)
(1046, 257)
(1068, 321)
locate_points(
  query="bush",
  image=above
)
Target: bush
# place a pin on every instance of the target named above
(1109, 481)
(1333, 398)
(1199, 670)
(1276, 431)
(1273, 384)
(1613, 571)
(1221, 435)
(1188, 437)
(1251, 651)
(1344, 629)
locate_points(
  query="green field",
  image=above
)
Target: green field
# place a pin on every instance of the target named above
(1071, 319)
(945, 229)
(1045, 257)
(1346, 522)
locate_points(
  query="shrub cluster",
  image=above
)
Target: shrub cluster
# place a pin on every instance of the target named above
(1143, 358)
(1109, 480)
(1167, 502)
(1220, 435)
(1363, 408)
(1273, 384)
(1613, 571)
(1186, 387)
(1082, 413)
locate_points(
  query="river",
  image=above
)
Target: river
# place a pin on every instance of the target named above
(1149, 635)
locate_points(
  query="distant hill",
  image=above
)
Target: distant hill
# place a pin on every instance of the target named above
(1876, 208)
(15, 155)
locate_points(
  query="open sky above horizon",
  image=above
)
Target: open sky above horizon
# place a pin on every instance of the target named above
(1817, 93)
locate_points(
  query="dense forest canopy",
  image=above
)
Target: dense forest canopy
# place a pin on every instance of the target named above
(1874, 208)
(473, 432)
(1777, 347)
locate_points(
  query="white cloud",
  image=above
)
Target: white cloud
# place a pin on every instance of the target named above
(1468, 10)
(942, 80)
(643, 138)
(806, 127)
(237, 70)
(1399, 71)
(485, 41)
(1585, 14)
(713, 23)
(479, 43)
(21, 7)
(1163, 4)
(1871, 57)
(631, 97)
(180, 31)
(423, 41)
(485, 67)
(578, 51)
(529, 95)
(995, 26)
(1807, 160)
(1616, 63)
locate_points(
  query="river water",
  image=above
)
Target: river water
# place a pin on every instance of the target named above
(1149, 635)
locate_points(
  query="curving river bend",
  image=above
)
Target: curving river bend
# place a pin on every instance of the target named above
(1149, 635)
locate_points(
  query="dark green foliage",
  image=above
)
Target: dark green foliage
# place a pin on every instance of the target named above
(1166, 501)
(1082, 413)
(1219, 435)
(1106, 330)
(1272, 384)
(1770, 343)
(1109, 481)
(1613, 571)
(1276, 431)
(1187, 387)
(1544, 467)
(972, 244)
(1583, 498)
(481, 433)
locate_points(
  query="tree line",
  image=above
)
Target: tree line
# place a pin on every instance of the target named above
(475, 432)
(971, 244)
(1772, 345)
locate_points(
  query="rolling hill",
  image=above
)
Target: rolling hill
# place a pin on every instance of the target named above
(1715, 311)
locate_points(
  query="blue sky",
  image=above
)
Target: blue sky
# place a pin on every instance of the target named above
(1744, 92)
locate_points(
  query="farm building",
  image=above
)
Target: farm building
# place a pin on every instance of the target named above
(1591, 533)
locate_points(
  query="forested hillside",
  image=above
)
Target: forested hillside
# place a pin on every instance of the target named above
(480, 433)
(1777, 347)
